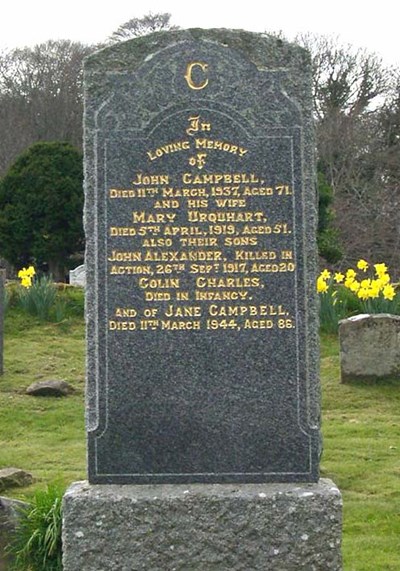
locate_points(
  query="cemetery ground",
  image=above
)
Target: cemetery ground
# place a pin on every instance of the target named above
(361, 430)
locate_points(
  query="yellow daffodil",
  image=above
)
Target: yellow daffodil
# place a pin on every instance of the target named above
(26, 282)
(374, 289)
(362, 265)
(380, 269)
(363, 293)
(353, 286)
(322, 286)
(26, 276)
(388, 292)
(326, 274)
(350, 274)
(338, 277)
(365, 283)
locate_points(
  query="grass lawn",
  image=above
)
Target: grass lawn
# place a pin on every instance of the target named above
(361, 428)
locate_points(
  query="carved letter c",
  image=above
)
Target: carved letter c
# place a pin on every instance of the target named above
(188, 75)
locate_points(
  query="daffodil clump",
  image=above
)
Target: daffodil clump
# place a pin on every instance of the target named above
(367, 289)
(367, 285)
(26, 276)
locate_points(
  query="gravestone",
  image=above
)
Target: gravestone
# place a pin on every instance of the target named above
(2, 311)
(77, 276)
(201, 305)
(370, 347)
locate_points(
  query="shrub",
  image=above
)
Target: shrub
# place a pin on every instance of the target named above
(36, 543)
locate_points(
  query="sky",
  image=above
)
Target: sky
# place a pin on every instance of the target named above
(370, 25)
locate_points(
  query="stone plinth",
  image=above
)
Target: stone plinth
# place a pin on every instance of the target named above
(202, 527)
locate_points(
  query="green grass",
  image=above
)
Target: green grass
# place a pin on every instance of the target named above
(361, 429)
(42, 435)
(361, 454)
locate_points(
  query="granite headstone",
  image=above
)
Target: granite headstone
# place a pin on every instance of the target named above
(200, 264)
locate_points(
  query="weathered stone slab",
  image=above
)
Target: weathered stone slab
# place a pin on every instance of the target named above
(14, 477)
(370, 347)
(200, 231)
(50, 388)
(279, 527)
(77, 277)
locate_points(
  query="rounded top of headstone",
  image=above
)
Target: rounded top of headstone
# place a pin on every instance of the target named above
(264, 50)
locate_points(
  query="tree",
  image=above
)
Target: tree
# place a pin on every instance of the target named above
(41, 96)
(141, 26)
(41, 203)
(356, 102)
(327, 237)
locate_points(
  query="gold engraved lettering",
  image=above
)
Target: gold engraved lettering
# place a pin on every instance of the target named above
(194, 216)
(122, 231)
(273, 268)
(286, 255)
(183, 311)
(249, 255)
(143, 179)
(228, 282)
(117, 256)
(159, 283)
(196, 125)
(217, 178)
(121, 193)
(182, 295)
(131, 270)
(258, 324)
(149, 218)
(121, 325)
(167, 149)
(188, 75)
(241, 310)
(166, 204)
(125, 312)
(198, 160)
(221, 295)
(156, 296)
(184, 192)
(220, 146)
(180, 325)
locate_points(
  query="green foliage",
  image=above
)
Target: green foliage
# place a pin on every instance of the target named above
(36, 545)
(40, 298)
(46, 300)
(333, 307)
(328, 239)
(41, 203)
(338, 303)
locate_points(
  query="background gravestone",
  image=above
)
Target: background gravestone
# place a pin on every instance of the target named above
(77, 276)
(200, 220)
(370, 347)
(201, 308)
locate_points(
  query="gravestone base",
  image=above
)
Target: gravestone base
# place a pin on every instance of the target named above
(202, 527)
